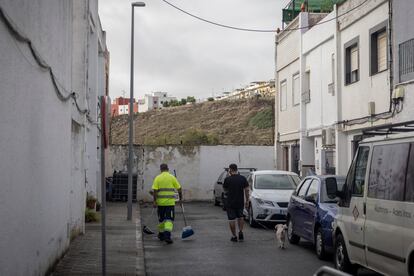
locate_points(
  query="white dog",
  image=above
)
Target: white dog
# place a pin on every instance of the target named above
(281, 235)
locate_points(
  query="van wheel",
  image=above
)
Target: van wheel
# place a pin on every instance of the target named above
(319, 245)
(342, 262)
(293, 239)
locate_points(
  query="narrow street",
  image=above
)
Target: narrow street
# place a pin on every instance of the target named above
(210, 252)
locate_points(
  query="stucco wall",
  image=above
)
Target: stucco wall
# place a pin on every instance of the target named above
(197, 167)
(43, 141)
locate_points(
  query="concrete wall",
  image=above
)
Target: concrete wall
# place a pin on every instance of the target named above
(43, 140)
(197, 167)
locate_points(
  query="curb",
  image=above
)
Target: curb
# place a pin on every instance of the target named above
(140, 259)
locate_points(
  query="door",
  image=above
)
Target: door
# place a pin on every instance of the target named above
(386, 209)
(353, 207)
(299, 213)
(310, 209)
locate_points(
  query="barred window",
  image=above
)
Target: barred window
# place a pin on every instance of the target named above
(406, 60)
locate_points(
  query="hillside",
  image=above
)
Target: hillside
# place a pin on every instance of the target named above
(237, 122)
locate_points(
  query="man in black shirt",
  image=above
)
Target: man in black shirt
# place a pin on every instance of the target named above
(236, 188)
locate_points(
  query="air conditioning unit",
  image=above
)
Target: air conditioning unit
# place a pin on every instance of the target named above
(328, 137)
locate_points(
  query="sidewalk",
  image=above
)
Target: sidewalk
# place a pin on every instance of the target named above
(124, 248)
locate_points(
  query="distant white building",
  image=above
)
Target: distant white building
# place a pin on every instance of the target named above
(152, 101)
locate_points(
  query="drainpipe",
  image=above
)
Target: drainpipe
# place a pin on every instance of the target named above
(391, 57)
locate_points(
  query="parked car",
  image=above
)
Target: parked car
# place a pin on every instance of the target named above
(270, 192)
(374, 227)
(218, 192)
(311, 212)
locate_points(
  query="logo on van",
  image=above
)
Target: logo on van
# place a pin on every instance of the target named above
(355, 212)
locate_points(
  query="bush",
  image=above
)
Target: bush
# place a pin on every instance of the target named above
(262, 119)
(91, 215)
(198, 137)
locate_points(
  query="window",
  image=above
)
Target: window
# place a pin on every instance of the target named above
(283, 96)
(378, 51)
(406, 60)
(388, 171)
(352, 61)
(356, 177)
(313, 188)
(274, 182)
(296, 89)
(409, 184)
(304, 188)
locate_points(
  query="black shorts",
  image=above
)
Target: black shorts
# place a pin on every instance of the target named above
(166, 213)
(233, 213)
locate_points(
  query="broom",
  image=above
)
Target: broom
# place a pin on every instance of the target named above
(187, 230)
(146, 229)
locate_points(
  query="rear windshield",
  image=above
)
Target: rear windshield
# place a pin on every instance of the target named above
(275, 182)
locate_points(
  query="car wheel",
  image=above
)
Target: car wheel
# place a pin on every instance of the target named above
(222, 202)
(216, 201)
(341, 257)
(293, 239)
(252, 221)
(319, 245)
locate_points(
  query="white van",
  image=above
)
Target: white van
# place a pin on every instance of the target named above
(374, 227)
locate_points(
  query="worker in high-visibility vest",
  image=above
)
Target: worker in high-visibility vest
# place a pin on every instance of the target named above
(164, 189)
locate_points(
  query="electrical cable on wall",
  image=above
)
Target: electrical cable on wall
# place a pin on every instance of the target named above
(257, 30)
(13, 30)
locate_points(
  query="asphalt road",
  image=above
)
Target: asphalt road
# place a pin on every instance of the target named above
(210, 252)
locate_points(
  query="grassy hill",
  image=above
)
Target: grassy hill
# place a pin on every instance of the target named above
(237, 122)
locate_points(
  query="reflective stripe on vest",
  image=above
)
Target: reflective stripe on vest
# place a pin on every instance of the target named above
(166, 190)
(166, 196)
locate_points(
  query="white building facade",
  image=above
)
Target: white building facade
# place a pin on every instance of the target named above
(152, 101)
(356, 75)
(49, 138)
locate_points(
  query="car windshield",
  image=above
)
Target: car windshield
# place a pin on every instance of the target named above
(275, 182)
(244, 173)
(324, 196)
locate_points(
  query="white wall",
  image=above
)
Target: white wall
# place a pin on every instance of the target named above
(318, 47)
(376, 88)
(197, 167)
(43, 141)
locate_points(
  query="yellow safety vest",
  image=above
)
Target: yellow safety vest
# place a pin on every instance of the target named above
(165, 184)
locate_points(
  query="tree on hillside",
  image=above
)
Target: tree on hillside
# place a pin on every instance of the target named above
(191, 99)
(183, 102)
(166, 104)
(211, 99)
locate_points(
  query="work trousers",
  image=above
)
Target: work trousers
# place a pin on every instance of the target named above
(166, 217)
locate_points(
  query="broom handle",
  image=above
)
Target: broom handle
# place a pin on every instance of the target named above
(182, 209)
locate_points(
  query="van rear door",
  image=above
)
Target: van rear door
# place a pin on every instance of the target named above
(386, 212)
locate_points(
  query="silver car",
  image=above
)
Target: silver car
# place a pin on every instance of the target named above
(270, 193)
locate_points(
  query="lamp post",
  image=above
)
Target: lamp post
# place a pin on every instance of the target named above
(131, 112)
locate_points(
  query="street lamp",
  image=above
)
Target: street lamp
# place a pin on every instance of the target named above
(131, 111)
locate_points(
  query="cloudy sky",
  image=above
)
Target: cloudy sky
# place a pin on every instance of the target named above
(180, 55)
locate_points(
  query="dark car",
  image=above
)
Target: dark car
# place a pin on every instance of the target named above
(218, 192)
(311, 213)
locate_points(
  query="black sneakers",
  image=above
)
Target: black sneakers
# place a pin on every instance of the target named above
(233, 239)
(241, 236)
(168, 241)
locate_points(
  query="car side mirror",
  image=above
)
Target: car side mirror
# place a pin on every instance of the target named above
(331, 187)
(310, 198)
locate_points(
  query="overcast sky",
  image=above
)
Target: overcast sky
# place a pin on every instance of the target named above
(182, 56)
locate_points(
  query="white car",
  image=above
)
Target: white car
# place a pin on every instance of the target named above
(270, 193)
